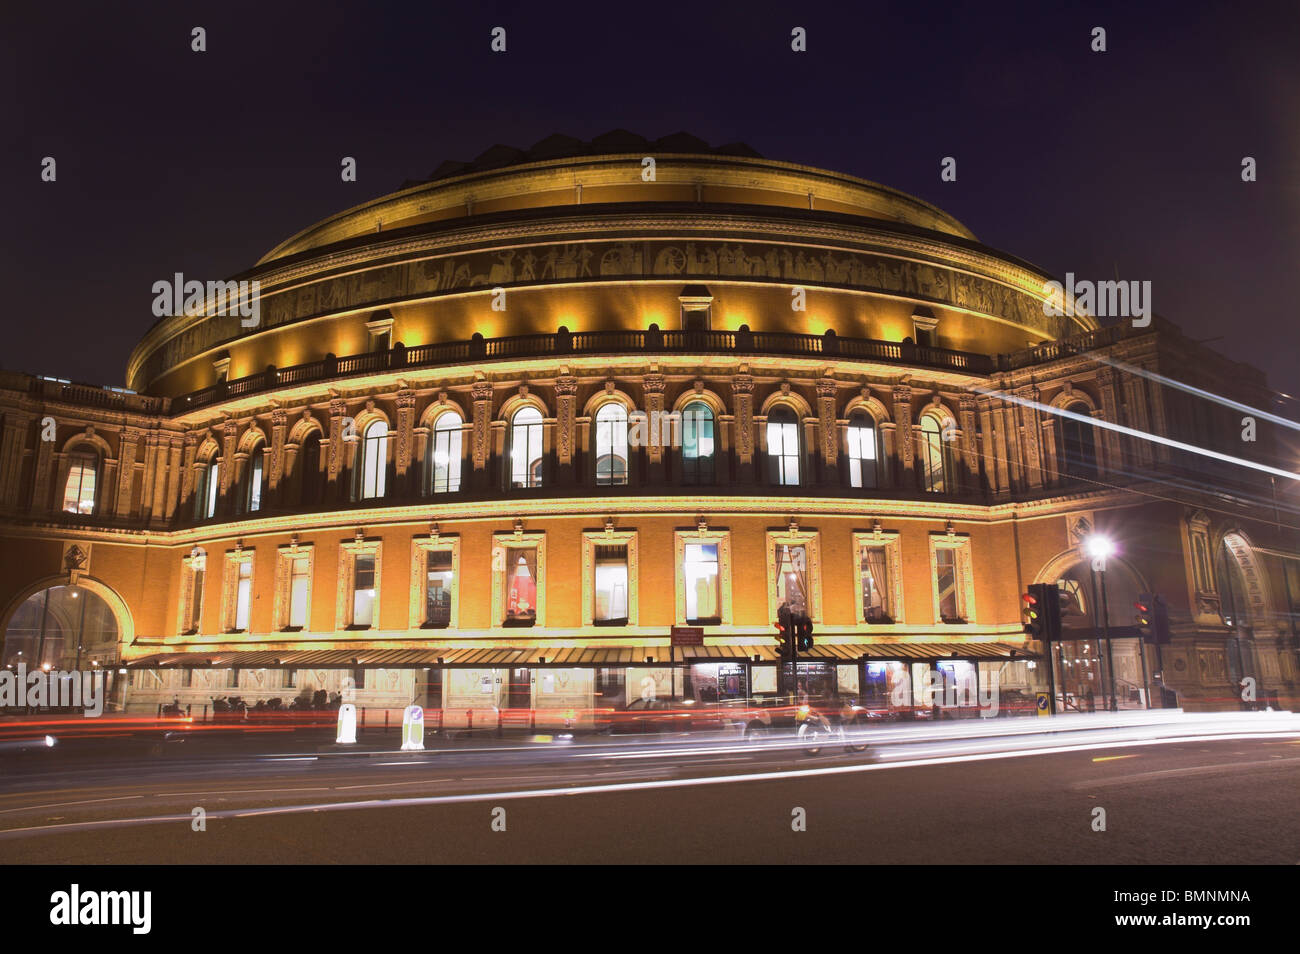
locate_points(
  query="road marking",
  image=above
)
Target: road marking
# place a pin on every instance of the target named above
(241, 791)
(1112, 758)
(620, 787)
(86, 801)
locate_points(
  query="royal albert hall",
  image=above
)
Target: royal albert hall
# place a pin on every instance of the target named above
(495, 435)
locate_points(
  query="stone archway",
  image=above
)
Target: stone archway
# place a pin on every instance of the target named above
(60, 594)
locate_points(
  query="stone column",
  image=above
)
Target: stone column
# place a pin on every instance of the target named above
(1135, 401)
(12, 446)
(481, 393)
(995, 466)
(126, 470)
(1113, 457)
(190, 455)
(275, 469)
(43, 481)
(405, 442)
(969, 443)
(1031, 432)
(830, 432)
(903, 436)
(742, 389)
(653, 388)
(177, 473)
(566, 398)
(336, 451)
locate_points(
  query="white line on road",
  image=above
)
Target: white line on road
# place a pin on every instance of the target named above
(84, 801)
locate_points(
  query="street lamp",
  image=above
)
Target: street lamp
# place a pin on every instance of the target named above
(1101, 547)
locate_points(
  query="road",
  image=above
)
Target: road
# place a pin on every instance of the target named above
(1025, 799)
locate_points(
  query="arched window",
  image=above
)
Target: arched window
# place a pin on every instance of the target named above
(697, 444)
(443, 465)
(1234, 607)
(936, 456)
(864, 457)
(309, 472)
(251, 493)
(207, 484)
(783, 447)
(83, 480)
(1078, 444)
(611, 445)
(373, 464)
(53, 625)
(526, 448)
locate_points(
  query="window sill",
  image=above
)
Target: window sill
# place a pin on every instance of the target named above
(516, 623)
(354, 628)
(610, 622)
(429, 625)
(710, 621)
(955, 622)
(291, 629)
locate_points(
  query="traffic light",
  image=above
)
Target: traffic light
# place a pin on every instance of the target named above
(784, 630)
(1161, 622)
(1152, 618)
(1145, 616)
(1043, 611)
(1033, 615)
(803, 630)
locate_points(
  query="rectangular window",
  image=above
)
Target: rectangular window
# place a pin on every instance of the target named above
(792, 578)
(363, 591)
(611, 596)
(438, 589)
(876, 591)
(243, 595)
(700, 574)
(862, 455)
(948, 585)
(255, 481)
(521, 586)
(196, 598)
(299, 588)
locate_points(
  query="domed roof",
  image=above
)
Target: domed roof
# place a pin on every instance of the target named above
(559, 146)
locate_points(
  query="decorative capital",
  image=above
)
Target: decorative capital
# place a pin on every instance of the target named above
(405, 400)
(481, 391)
(279, 417)
(566, 387)
(742, 384)
(338, 407)
(826, 388)
(653, 383)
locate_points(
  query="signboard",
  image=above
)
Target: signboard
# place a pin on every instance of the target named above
(1044, 704)
(687, 635)
(413, 728)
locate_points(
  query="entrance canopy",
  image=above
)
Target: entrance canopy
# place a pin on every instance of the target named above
(558, 656)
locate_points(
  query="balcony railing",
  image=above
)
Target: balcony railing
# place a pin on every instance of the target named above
(564, 342)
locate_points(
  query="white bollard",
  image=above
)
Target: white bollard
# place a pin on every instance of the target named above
(347, 724)
(412, 728)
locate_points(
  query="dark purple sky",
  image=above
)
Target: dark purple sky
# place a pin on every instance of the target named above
(170, 160)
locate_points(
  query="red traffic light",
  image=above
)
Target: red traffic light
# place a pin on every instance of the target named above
(1030, 598)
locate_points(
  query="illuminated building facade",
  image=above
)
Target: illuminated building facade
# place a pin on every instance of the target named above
(495, 434)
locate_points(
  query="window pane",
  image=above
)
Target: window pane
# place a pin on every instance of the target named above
(363, 593)
(521, 584)
(875, 585)
(610, 583)
(243, 594)
(792, 578)
(861, 437)
(526, 448)
(213, 471)
(445, 454)
(298, 583)
(255, 481)
(783, 447)
(697, 444)
(700, 573)
(611, 445)
(437, 592)
(196, 600)
(374, 460)
(79, 491)
(946, 577)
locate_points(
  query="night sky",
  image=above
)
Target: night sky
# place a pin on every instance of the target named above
(1122, 162)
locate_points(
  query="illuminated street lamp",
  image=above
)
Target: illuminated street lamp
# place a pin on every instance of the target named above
(1100, 548)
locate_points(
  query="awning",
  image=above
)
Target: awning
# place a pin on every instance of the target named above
(505, 656)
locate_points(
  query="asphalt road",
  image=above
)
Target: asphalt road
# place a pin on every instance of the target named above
(1192, 801)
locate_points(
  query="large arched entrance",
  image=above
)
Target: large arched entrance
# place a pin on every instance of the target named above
(1099, 663)
(65, 625)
